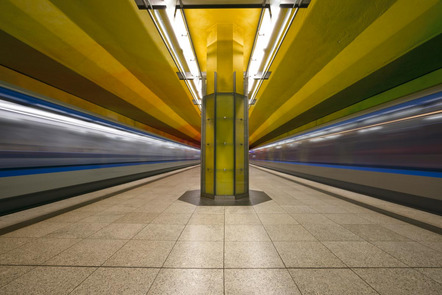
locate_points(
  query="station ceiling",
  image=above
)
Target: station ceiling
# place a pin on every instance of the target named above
(339, 57)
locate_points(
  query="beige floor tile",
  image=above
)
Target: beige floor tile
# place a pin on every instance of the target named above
(89, 252)
(414, 232)
(110, 202)
(328, 209)
(239, 218)
(287, 201)
(311, 219)
(96, 207)
(300, 192)
(240, 232)
(330, 281)
(137, 217)
(10, 273)
(433, 245)
(196, 255)
(37, 230)
(135, 202)
(348, 218)
(239, 209)
(48, 280)
(141, 253)
(412, 253)
(268, 207)
(280, 200)
(8, 244)
(259, 281)
(331, 232)
(353, 208)
(307, 254)
(119, 209)
(70, 217)
(123, 231)
(207, 219)
(288, 232)
(399, 281)
(374, 232)
(76, 231)
(251, 255)
(298, 209)
(311, 201)
(188, 281)
(209, 210)
(336, 202)
(172, 218)
(434, 273)
(180, 207)
(276, 218)
(198, 232)
(379, 218)
(37, 251)
(149, 208)
(118, 281)
(102, 218)
(160, 232)
(362, 254)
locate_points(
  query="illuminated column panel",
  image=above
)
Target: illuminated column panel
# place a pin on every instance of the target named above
(224, 170)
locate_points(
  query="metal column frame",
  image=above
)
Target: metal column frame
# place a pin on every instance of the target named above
(246, 143)
(215, 97)
(234, 133)
(234, 96)
(203, 141)
(246, 130)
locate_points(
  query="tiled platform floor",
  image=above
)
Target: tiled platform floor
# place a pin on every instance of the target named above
(145, 241)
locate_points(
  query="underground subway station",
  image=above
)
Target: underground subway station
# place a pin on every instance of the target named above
(221, 147)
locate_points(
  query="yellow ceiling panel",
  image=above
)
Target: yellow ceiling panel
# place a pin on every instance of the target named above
(200, 20)
(130, 36)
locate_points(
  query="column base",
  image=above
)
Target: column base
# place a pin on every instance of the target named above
(253, 198)
(225, 198)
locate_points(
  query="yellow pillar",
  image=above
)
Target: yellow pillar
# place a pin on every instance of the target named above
(225, 55)
(224, 145)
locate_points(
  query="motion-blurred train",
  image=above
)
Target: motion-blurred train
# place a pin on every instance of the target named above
(49, 152)
(394, 153)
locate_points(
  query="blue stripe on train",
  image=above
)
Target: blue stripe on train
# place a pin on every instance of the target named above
(361, 168)
(30, 171)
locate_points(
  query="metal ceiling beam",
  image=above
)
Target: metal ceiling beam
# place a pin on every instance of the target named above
(253, 4)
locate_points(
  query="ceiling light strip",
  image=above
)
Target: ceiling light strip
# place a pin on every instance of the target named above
(191, 43)
(256, 38)
(272, 54)
(161, 28)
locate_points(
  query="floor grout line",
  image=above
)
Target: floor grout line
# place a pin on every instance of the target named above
(276, 249)
(162, 266)
(368, 284)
